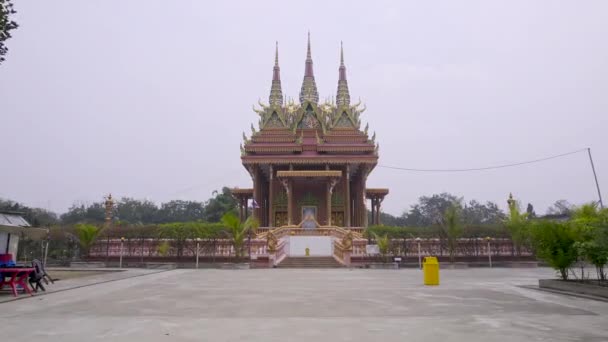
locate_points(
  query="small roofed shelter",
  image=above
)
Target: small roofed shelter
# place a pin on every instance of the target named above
(12, 227)
(376, 196)
(242, 196)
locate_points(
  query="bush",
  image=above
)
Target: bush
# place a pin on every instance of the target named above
(591, 224)
(555, 243)
(477, 231)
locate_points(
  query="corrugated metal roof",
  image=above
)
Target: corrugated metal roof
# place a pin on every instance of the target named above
(13, 220)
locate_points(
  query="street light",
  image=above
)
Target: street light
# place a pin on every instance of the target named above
(198, 240)
(488, 239)
(419, 256)
(122, 240)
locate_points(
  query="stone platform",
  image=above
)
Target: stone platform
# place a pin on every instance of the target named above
(309, 305)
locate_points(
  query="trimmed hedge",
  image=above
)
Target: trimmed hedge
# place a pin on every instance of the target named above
(493, 231)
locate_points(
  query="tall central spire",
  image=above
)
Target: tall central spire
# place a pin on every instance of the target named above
(309, 87)
(343, 96)
(276, 94)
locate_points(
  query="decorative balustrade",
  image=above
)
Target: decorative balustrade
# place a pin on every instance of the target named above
(282, 251)
(359, 248)
(150, 248)
(339, 251)
(334, 231)
(145, 248)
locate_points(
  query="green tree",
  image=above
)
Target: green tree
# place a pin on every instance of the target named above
(94, 213)
(517, 224)
(555, 243)
(237, 230)
(136, 211)
(6, 25)
(383, 243)
(475, 213)
(560, 208)
(180, 211)
(452, 227)
(591, 224)
(220, 204)
(429, 210)
(163, 249)
(37, 217)
(87, 235)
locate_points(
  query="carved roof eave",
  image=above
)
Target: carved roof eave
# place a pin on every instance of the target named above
(275, 140)
(274, 149)
(316, 159)
(345, 148)
(376, 193)
(241, 191)
(309, 173)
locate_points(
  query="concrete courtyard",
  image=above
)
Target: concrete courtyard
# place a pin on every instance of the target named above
(307, 305)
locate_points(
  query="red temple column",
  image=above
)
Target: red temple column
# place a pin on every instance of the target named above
(270, 192)
(347, 196)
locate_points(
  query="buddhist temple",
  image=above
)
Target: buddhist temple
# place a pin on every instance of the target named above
(309, 160)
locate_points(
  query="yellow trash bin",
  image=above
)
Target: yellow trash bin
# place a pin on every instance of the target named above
(430, 268)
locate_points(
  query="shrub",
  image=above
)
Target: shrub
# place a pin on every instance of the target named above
(555, 243)
(87, 234)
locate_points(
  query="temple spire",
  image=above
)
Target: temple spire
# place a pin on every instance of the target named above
(309, 87)
(343, 96)
(276, 94)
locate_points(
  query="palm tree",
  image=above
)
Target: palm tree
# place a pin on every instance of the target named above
(87, 235)
(383, 243)
(452, 227)
(517, 224)
(238, 230)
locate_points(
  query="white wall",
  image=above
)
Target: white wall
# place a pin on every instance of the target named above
(3, 241)
(13, 245)
(318, 245)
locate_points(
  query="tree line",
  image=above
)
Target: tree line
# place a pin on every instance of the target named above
(427, 212)
(131, 211)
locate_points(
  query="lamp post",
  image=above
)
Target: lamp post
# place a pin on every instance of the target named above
(198, 240)
(46, 249)
(122, 241)
(419, 256)
(488, 239)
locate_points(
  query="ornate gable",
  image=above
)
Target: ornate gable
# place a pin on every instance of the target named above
(308, 117)
(274, 120)
(344, 121)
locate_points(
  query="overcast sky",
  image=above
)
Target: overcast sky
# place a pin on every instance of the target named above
(149, 99)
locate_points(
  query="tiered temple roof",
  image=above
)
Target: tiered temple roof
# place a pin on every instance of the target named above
(309, 131)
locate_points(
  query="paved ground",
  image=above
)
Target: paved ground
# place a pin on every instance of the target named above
(308, 305)
(69, 278)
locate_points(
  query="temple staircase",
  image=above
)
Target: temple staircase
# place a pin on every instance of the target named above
(310, 262)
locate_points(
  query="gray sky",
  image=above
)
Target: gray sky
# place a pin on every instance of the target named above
(149, 99)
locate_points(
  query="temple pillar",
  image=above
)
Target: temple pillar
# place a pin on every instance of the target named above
(378, 211)
(328, 199)
(256, 189)
(355, 200)
(347, 197)
(288, 189)
(362, 197)
(373, 211)
(241, 211)
(270, 206)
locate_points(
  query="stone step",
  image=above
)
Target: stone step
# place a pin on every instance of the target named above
(310, 262)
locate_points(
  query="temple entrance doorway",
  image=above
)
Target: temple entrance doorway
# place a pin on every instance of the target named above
(309, 217)
(317, 246)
